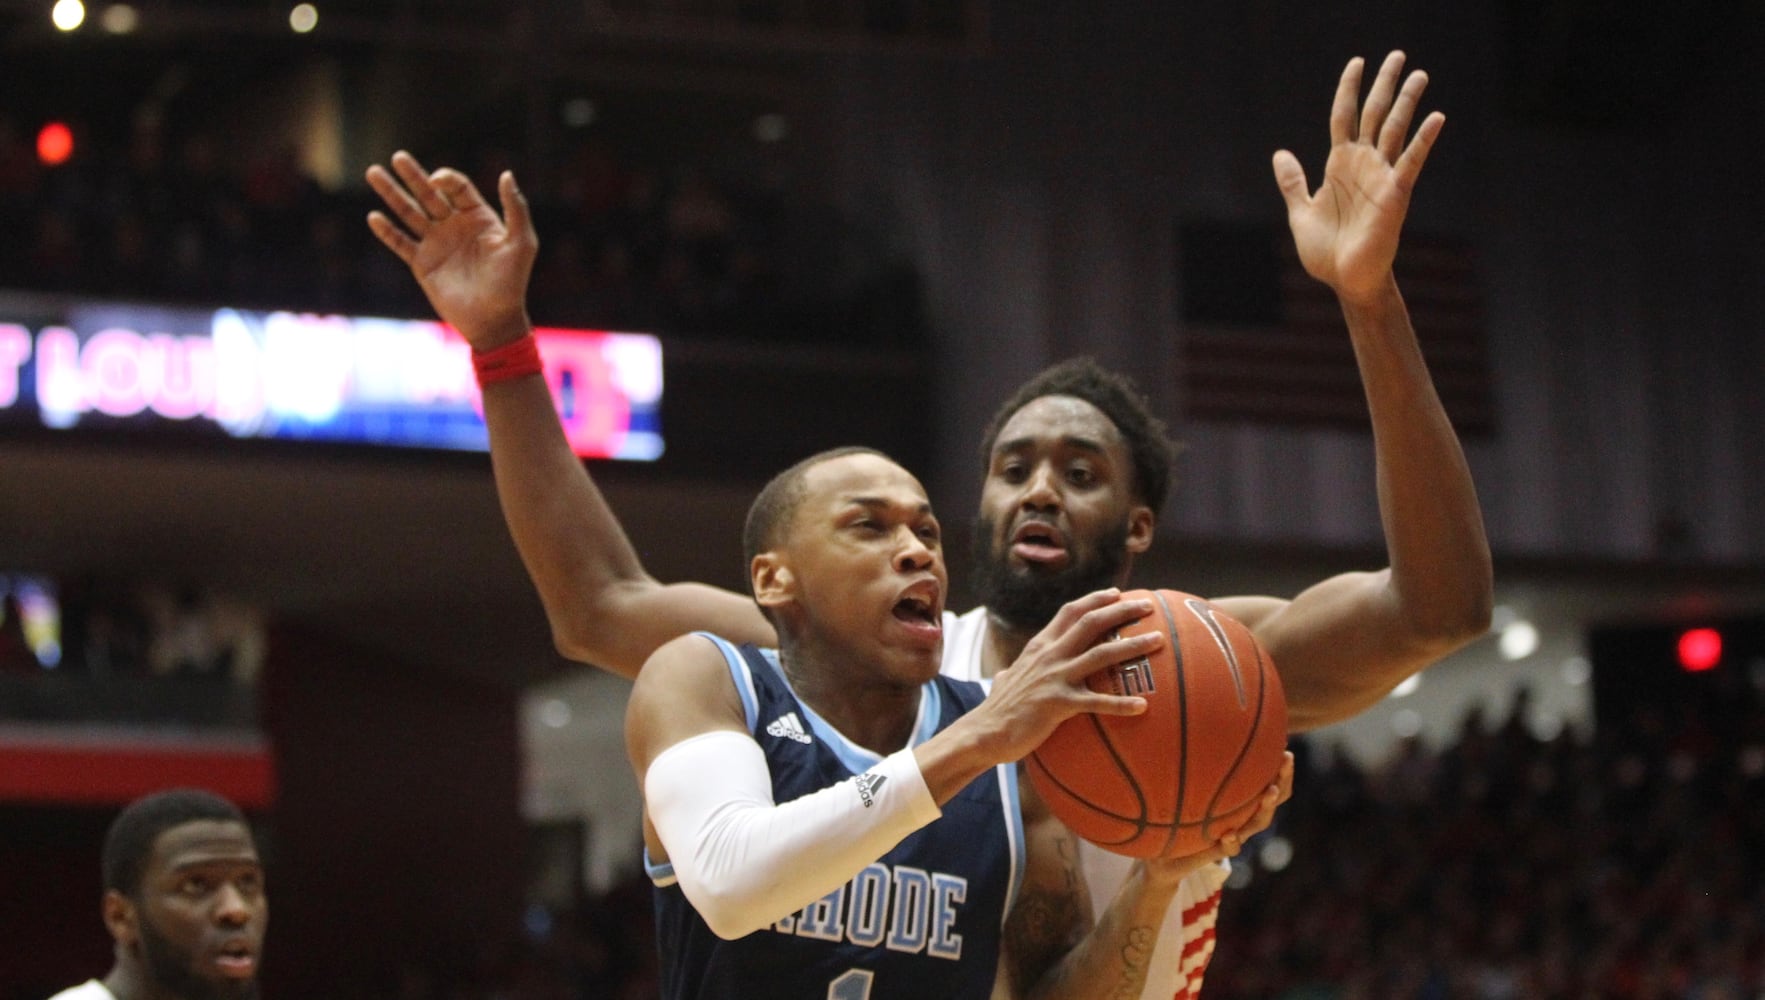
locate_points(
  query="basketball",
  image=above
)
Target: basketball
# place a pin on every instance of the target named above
(1194, 765)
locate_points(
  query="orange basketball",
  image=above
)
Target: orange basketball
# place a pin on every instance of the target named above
(1170, 781)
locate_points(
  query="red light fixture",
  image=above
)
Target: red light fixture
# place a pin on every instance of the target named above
(1700, 649)
(55, 144)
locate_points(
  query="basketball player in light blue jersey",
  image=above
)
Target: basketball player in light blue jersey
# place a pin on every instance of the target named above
(1069, 502)
(836, 818)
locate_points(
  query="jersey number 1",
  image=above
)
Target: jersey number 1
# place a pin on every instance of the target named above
(853, 984)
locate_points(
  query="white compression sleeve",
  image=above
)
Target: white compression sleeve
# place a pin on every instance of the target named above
(745, 862)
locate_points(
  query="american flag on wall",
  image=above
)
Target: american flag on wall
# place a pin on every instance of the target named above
(1263, 341)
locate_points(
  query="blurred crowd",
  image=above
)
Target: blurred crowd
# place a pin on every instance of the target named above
(1627, 866)
(602, 948)
(668, 247)
(107, 650)
(111, 628)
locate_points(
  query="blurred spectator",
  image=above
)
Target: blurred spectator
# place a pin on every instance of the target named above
(16, 655)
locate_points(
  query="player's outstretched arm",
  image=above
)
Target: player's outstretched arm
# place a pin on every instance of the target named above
(1053, 950)
(1343, 644)
(474, 266)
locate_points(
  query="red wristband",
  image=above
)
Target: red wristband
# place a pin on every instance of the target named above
(509, 361)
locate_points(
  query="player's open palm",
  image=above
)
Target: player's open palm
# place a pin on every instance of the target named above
(1347, 231)
(472, 263)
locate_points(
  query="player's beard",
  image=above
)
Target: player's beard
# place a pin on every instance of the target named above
(173, 968)
(1027, 598)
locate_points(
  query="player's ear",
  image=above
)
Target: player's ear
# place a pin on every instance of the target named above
(1142, 526)
(120, 918)
(774, 583)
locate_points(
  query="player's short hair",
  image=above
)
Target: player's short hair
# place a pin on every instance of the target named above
(1120, 399)
(129, 843)
(778, 500)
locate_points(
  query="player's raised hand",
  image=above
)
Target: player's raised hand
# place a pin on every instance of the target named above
(472, 263)
(1045, 685)
(1347, 232)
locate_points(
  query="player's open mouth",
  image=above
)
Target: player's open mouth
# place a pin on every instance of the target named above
(916, 610)
(920, 606)
(236, 960)
(1038, 542)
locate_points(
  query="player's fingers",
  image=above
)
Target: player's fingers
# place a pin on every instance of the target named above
(516, 214)
(417, 180)
(1098, 624)
(394, 237)
(1108, 653)
(1073, 611)
(1109, 704)
(1397, 124)
(458, 189)
(1264, 815)
(397, 199)
(1347, 94)
(1272, 797)
(1227, 846)
(1284, 781)
(1409, 165)
(1379, 99)
(1290, 178)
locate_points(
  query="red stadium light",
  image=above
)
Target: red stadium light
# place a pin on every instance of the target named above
(1700, 649)
(55, 143)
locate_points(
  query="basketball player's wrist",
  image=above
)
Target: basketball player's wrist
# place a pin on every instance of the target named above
(499, 332)
(1162, 876)
(1374, 299)
(961, 753)
(514, 359)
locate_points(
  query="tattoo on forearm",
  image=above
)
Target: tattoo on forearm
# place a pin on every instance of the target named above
(1136, 957)
(1040, 932)
(1046, 921)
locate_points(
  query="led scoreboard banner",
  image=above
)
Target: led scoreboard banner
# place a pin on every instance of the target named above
(308, 377)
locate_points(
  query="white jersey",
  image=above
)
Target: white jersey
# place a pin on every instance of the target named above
(1185, 942)
(91, 989)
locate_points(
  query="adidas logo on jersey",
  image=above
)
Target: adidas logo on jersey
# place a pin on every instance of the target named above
(788, 727)
(868, 784)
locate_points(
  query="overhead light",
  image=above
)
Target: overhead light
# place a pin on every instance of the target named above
(68, 14)
(303, 18)
(1276, 853)
(1699, 649)
(119, 19)
(1407, 686)
(55, 144)
(1518, 640)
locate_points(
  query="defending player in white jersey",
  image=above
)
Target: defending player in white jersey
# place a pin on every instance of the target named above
(1074, 482)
